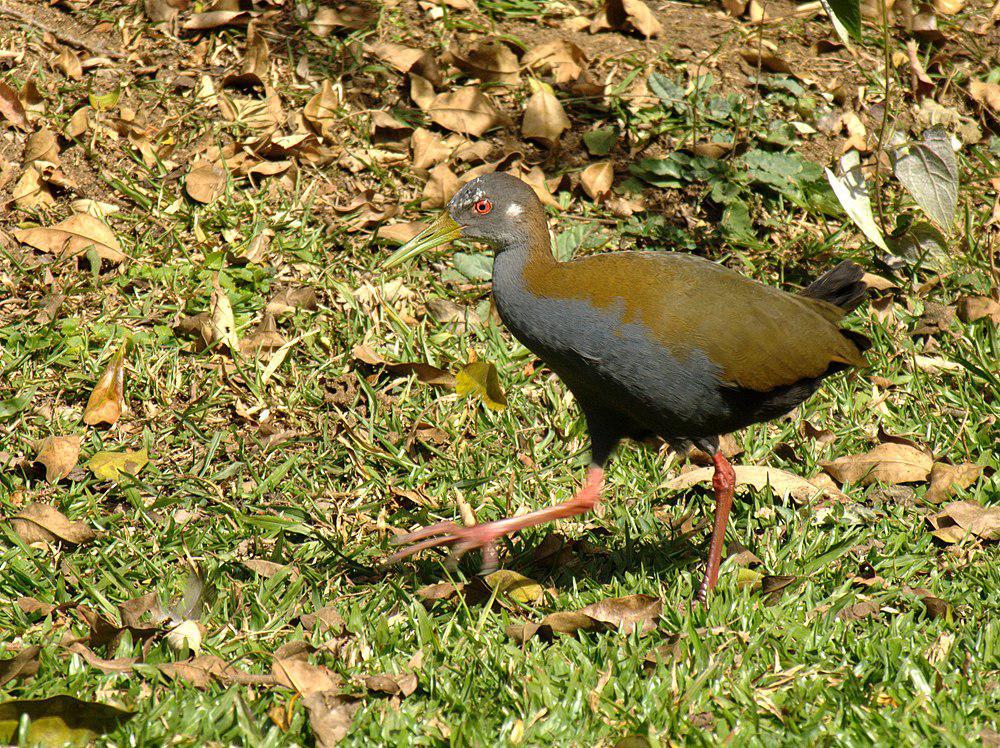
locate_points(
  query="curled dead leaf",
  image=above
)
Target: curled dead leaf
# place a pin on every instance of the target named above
(424, 372)
(43, 523)
(59, 455)
(946, 479)
(889, 463)
(544, 118)
(632, 16)
(107, 401)
(74, 236)
(596, 180)
(974, 308)
(782, 483)
(627, 614)
(466, 110)
(960, 520)
(205, 182)
(489, 60)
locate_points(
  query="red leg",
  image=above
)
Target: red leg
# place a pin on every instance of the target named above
(463, 539)
(724, 483)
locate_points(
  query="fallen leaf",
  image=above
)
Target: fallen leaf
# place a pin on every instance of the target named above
(116, 665)
(489, 60)
(320, 112)
(32, 190)
(345, 16)
(515, 586)
(161, 11)
(111, 465)
(268, 569)
(596, 180)
(422, 91)
(22, 665)
(632, 15)
(392, 685)
(561, 58)
(58, 720)
(441, 185)
(974, 308)
(11, 108)
(466, 110)
(74, 236)
(305, 678)
(782, 483)
(984, 93)
(946, 479)
(204, 670)
(544, 118)
(569, 622)
(962, 519)
(887, 463)
(222, 322)
(426, 373)
(326, 619)
(859, 610)
(766, 60)
(205, 182)
(949, 7)
(264, 338)
(59, 455)
(627, 614)
(929, 171)
(214, 19)
(481, 378)
(43, 523)
(407, 59)
(330, 716)
(107, 401)
(937, 318)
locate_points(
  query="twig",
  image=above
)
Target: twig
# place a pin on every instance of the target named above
(64, 37)
(880, 143)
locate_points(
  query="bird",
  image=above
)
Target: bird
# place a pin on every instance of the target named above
(650, 343)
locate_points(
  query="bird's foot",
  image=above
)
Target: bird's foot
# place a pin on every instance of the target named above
(464, 539)
(461, 539)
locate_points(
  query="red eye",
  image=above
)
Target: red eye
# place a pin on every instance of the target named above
(483, 207)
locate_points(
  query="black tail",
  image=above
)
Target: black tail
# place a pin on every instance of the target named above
(841, 286)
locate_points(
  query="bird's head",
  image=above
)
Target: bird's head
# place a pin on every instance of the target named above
(496, 208)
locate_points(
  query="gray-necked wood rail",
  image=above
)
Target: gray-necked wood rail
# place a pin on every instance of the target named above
(650, 343)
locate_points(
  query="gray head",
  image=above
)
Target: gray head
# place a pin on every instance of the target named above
(496, 208)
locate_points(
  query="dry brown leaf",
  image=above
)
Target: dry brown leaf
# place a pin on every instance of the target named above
(161, 11)
(78, 123)
(330, 716)
(973, 308)
(948, 7)
(596, 180)
(782, 483)
(569, 622)
(407, 59)
(466, 110)
(268, 569)
(11, 107)
(214, 19)
(73, 237)
(107, 401)
(43, 523)
(440, 186)
(291, 298)
(22, 665)
(204, 670)
(424, 372)
(962, 519)
(392, 685)
(221, 329)
(32, 190)
(890, 463)
(399, 233)
(306, 679)
(937, 318)
(561, 58)
(946, 479)
(327, 619)
(428, 148)
(489, 60)
(632, 15)
(42, 146)
(205, 182)
(627, 614)
(422, 92)
(544, 118)
(320, 112)
(986, 94)
(766, 60)
(342, 16)
(859, 610)
(69, 64)
(59, 455)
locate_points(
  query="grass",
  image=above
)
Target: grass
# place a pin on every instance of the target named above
(310, 468)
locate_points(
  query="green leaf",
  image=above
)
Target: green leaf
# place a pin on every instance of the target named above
(481, 378)
(667, 91)
(736, 220)
(14, 405)
(600, 140)
(845, 15)
(59, 721)
(929, 172)
(477, 267)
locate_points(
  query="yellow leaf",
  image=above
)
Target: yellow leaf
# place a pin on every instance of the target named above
(481, 378)
(108, 398)
(105, 101)
(110, 465)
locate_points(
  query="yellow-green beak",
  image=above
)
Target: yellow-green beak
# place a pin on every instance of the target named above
(442, 231)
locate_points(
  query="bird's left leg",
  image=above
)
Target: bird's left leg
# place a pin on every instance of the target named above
(724, 483)
(464, 539)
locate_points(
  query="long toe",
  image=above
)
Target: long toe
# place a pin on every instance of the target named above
(440, 528)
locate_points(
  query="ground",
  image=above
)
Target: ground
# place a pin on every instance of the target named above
(287, 407)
